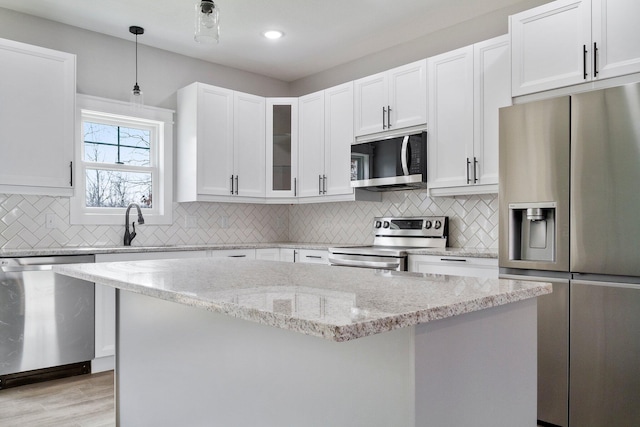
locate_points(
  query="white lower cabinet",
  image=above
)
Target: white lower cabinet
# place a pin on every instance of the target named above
(313, 256)
(105, 305)
(287, 255)
(268, 254)
(454, 265)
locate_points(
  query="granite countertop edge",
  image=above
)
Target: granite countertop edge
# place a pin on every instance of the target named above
(330, 331)
(88, 250)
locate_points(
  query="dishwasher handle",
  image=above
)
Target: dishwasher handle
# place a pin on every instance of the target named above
(21, 268)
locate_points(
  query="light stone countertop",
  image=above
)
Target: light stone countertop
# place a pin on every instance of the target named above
(336, 303)
(86, 250)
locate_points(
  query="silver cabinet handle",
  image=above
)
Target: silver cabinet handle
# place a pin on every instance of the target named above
(453, 259)
(71, 173)
(295, 187)
(388, 117)
(595, 59)
(236, 185)
(231, 184)
(468, 163)
(384, 112)
(237, 256)
(324, 184)
(313, 256)
(319, 184)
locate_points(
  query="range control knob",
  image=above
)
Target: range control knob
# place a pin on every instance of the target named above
(427, 224)
(437, 224)
(386, 224)
(378, 224)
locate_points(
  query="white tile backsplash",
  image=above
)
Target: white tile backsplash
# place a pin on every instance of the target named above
(473, 222)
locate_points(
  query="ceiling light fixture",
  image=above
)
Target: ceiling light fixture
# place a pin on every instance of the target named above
(273, 34)
(136, 98)
(207, 22)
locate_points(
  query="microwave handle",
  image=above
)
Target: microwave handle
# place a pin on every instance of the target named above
(404, 155)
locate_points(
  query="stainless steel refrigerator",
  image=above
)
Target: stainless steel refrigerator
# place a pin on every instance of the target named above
(570, 214)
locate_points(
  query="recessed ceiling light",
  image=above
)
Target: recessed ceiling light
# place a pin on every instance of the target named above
(273, 34)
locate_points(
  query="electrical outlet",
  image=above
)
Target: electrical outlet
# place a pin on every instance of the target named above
(191, 221)
(50, 220)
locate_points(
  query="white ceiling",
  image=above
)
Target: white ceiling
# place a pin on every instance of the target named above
(319, 34)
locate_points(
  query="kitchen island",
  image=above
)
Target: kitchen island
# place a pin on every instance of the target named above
(254, 343)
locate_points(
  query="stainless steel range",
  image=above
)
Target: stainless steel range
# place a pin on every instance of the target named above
(392, 238)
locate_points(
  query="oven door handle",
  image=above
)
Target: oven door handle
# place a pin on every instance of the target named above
(365, 264)
(404, 155)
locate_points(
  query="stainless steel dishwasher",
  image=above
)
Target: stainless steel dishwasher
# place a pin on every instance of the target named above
(46, 320)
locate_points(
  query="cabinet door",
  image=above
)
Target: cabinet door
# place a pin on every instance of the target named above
(450, 118)
(338, 137)
(282, 147)
(615, 34)
(311, 145)
(37, 118)
(370, 104)
(492, 91)
(215, 140)
(408, 95)
(551, 46)
(249, 146)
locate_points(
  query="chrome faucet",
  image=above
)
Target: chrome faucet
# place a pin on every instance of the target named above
(128, 237)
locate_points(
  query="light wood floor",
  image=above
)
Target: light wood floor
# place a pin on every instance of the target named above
(81, 401)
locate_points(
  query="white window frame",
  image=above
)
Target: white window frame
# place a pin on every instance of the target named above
(160, 122)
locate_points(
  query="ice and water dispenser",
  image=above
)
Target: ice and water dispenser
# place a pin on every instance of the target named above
(532, 231)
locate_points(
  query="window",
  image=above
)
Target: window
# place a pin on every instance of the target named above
(123, 156)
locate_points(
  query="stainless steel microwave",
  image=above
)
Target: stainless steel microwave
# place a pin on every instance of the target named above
(390, 164)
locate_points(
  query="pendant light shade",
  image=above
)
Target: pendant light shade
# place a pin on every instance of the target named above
(207, 22)
(136, 97)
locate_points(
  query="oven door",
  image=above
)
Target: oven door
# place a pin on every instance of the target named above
(378, 262)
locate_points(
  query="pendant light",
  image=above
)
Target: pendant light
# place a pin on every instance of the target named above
(207, 22)
(137, 97)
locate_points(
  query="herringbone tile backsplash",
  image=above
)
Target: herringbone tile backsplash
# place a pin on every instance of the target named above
(473, 222)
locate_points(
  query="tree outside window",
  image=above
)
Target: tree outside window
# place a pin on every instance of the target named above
(109, 186)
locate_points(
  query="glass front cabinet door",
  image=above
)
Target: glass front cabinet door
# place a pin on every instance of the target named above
(282, 147)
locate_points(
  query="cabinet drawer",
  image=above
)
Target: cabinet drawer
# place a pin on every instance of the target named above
(313, 256)
(454, 265)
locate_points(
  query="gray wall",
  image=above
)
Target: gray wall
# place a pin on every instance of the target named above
(106, 65)
(475, 30)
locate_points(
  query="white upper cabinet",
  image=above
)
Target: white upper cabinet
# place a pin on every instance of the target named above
(220, 153)
(567, 42)
(491, 91)
(616, 37)
(338, 137)
(325, 137)
(311, 145)
(467, 86)
(249, 146)
(282, 149)
(391, 100)
(450, 134)
(37, 119)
